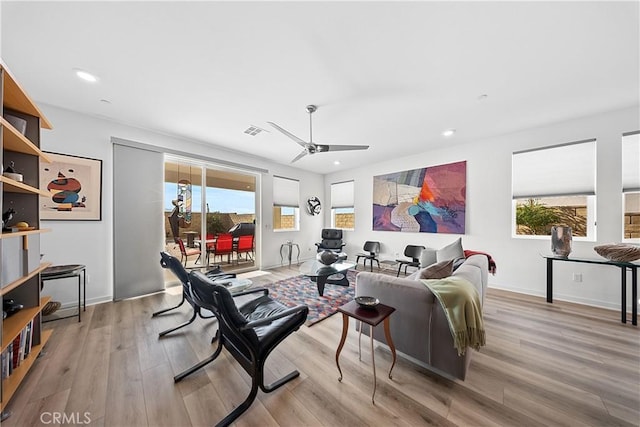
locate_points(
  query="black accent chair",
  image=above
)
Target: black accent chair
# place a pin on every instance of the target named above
(371, 251)
(331, 240)
(176, 267)
(413, 252)
(249, 333)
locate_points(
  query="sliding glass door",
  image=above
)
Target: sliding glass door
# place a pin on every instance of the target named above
(199, 222)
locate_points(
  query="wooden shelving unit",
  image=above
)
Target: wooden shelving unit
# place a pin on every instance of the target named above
(24, 233)
(12, 326)
(13, 140)
(11, 186)
(11, 383)
(19, 251)
(15, 98)
(11, 286)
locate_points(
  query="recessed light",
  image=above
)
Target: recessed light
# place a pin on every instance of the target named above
(337, 162)
(448, 132)
(85, 75)
(483, 97)
(105, 101)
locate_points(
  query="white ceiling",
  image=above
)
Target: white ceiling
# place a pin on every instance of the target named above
(388, 74)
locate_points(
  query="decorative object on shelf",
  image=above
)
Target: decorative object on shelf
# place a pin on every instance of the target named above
(427, 200)
(369, 303)
(561, 240)
(328, 257)
(313, 205)
(11, 307)
(76, 186)
(6, 217)
(17, 122)
(620, 252)
(11, 173)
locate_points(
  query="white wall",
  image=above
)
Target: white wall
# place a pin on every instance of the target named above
(488, 217)
(488, 222)
(91, 242)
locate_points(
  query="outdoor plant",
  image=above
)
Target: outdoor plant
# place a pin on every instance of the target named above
(532, 217)
(215, 224)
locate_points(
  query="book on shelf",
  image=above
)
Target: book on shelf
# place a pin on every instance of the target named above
(28, 338)
(15, 355)
(17, 350)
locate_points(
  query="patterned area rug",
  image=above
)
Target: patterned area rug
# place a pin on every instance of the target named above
(301, 290)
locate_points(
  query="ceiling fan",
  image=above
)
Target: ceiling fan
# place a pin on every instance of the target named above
(310, 147)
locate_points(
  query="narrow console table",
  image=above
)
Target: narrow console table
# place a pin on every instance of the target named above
(64, 271)
(623, 268)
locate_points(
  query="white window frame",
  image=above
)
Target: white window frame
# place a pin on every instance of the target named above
(286, 194)
(534, 175)
(342, 197)
(630, 173)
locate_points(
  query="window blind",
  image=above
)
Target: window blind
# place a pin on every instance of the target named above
(561, 170)
(286, 192)
(342, 195)
(631, 162)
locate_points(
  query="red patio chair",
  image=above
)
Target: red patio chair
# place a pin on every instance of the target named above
(187, 252)
(245, 246)
(223, 246)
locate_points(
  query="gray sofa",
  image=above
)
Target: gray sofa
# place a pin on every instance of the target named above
(419, 327)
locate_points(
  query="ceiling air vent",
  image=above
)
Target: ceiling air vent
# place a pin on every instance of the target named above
(254, 130)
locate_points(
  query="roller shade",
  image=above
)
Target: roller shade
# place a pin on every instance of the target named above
(342, 195)
(631, 162)
(286, 192)
(561, 170)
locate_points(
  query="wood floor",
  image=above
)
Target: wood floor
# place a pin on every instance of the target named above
(555, 365)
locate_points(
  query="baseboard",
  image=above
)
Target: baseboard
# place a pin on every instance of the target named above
(565, 298)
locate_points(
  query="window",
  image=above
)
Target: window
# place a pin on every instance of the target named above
(555, 186)
(342, 211)
(631, 185)
(286, 204)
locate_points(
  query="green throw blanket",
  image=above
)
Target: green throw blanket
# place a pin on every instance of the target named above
(461, 303)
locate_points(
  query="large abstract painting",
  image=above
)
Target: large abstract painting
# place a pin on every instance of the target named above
(75, 185)
(427, 200)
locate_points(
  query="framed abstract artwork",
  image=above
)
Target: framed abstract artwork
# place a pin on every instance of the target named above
(75, 184)
(427, 200)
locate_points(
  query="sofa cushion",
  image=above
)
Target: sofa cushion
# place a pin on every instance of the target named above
(439, 270)
(451, 251)
(428, 257)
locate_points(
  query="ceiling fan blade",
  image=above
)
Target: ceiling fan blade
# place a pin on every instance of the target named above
(289, 134)
(323, 147)
(299, 156)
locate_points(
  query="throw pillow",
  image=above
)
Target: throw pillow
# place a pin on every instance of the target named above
(451, 251)
(428, 257)
(439, 270)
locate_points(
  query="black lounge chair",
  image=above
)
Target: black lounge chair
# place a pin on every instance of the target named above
(249, 333)
(176, 267)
